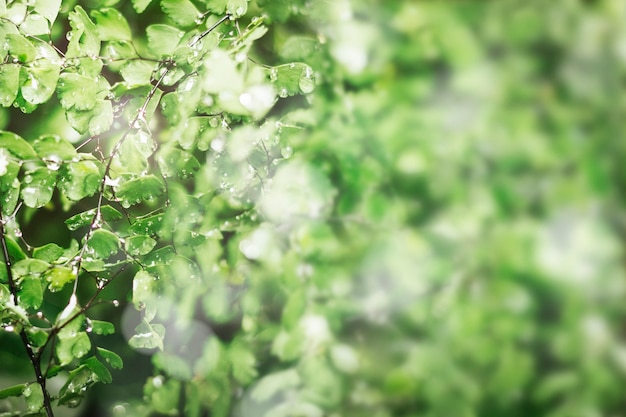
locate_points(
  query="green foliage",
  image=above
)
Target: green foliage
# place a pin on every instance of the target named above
(311, 208)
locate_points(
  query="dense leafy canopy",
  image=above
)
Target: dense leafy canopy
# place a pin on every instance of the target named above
(288, 208)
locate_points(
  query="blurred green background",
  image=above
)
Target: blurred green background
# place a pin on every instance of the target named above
(472, 263)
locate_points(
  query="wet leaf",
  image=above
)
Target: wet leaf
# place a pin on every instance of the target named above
(103, 243)
(84, 39)
(292, 79)
(58, 277)
(10, 76)
(140, 5)
(85, 218)
(182, 12)
(112, 358)
(139, 245)
(175, 162)
(101, 327)
(49, 252)
(17, 146)
(38, 187)
(30, 294)
(100, 371)
(54, 149)
(111, 25)
(81, 179)
(163, 39)
(47, 8)
(138, 190)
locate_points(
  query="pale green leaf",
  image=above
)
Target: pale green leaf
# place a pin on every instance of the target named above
(38, 187)
(72, 346)
(84, 41)
(139, 245)
(163, 39)
(78, 92)
(137, 72)
(81, 179)
(142, 288)
(20, 48)
(111, 24)
(182, 12)
(35, 25)
(17, 146)
(292, 79)
(53, 148)
(148, 336)
(140, 5)
(40, 83)
(47, 8)
(137, 190)
(10, 76)
(175, 162)
(58, 277)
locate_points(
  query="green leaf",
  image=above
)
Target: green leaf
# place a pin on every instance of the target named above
(148, 336)
(172, 365)
(38, 187)
(81, 179)
(20, 48)
(12, 391)
(75, 386)
(15, 250)
(41, 81)
(100, 371)
(292, 79)
(150, 225)
(38, 338)
(182, 12)
(79, 92)
(103, 244)
(137, 73)
(163, 39)
(71, 345)
(47, 8)
(85, 218)
(54, 149)
(35, 25)
(10, 76)
(140, 5)
(84, 41)
(175, 162)
(142, 288)
(101, 327)
(49, 252)
(243, 362)
(34, 397)
(30, 294)
(112, 358)
(111, 24)
(137, 190)
(17, 146)
(299, 47)
(139, 245)
(237, 8)
(58, 277)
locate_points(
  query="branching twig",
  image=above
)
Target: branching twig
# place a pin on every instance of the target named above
(32, 356)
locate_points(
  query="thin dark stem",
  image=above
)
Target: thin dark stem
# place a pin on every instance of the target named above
(34, 358)
(209, 30)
